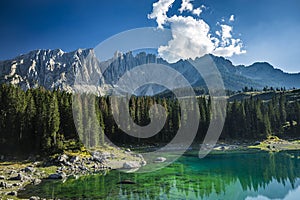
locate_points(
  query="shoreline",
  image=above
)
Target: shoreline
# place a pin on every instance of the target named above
(15, 175)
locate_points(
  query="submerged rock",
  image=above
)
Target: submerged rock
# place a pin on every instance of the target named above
(131, 165)
(160, 159)
(143, 162)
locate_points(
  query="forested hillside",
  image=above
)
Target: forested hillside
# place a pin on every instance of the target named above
(40, 121)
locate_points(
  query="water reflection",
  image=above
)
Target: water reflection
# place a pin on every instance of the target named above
(225, 176)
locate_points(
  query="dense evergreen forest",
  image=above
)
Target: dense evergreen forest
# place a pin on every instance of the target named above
(42, 121)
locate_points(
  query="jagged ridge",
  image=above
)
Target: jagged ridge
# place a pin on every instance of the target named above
(57, 69)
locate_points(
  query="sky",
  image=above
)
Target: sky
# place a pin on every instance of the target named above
(244, 31)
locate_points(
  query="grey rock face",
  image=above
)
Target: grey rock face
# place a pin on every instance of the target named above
(51, 69)
(54, 69)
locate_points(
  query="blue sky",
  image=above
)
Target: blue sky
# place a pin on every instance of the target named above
(268, 28)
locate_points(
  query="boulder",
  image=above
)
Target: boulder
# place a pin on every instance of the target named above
(19, 177)
(63, 158)
(28, 169)
(74, 159)
(16, 184)
(100, 157)
(139, 156)
(12, 193)
(2, 177)
(143, 162)
(160, 159)
(56, 176)
(131, 165)
(2, 184)
(36, 181)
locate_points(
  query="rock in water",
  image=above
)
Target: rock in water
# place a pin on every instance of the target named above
(131, 165)
(160, 159)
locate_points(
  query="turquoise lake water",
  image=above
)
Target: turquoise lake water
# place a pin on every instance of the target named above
(237, 175)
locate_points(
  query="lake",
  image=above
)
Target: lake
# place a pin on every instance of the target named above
(237, 175)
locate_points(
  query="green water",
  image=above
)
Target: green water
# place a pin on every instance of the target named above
(240, 175)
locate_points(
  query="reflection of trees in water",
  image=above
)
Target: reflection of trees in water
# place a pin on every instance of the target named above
(199, 178)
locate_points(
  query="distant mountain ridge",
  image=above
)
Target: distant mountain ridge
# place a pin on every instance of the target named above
(57, 69)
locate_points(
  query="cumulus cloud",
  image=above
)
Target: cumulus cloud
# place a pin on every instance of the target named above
(235, 47)
(197, 11)
(160, 10)
(186, 6)
(192, 37)
(231, 19)
(226, 34)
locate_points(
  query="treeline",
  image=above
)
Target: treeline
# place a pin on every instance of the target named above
(41, 121)
(35, 121)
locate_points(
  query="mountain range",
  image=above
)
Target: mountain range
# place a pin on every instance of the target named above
(54, 69)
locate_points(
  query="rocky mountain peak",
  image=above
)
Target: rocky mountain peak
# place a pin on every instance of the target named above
(58, 69)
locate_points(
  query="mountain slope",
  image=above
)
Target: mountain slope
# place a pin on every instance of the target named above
(57, 69)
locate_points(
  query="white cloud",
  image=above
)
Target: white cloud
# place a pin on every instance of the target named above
(235, 47)
(226, 34)
(192, 37)
(186, 6)
(231, 19)
(160, 10)
(197, 11)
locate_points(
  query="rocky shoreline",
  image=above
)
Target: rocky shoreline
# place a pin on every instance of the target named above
(15, 175)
